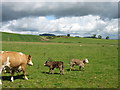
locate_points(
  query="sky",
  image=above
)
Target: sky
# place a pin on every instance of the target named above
(61, 18)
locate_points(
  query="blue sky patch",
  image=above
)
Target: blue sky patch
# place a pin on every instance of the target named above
(50, 17)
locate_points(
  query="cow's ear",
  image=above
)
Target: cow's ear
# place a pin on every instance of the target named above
(84, 61)
(29, 56)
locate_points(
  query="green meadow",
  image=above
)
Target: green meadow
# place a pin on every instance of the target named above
(100, 72)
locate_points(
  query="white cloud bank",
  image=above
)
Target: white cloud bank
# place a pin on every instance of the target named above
(76, 26)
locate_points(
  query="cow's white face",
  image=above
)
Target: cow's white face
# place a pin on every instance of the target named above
(86, 60)
(30, 61)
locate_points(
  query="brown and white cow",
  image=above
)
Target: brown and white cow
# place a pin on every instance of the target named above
(14, 61)
(78, 62)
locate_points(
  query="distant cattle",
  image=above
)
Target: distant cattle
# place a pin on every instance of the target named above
(55, 64)
(78, 62)
(14, 61)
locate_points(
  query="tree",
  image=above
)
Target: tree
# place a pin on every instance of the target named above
(68, 35)
(107, 37)
(99, 37)
(94, 36)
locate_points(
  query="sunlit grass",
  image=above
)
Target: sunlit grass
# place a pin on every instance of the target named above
(101, 72)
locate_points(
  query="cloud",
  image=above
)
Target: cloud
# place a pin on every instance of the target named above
(76, 18)
(76, 26)
(16, 10)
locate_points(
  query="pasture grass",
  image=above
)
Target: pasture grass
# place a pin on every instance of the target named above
(19, 37)
(101, 72)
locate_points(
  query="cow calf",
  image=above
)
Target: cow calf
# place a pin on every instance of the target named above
(78, 62)
(54, 64)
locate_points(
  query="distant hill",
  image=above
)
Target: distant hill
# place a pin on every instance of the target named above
(45, 34)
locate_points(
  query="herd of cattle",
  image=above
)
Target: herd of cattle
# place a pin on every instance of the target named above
(17, 61)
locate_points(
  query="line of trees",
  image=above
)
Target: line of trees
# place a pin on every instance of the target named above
(93, 36)
(99, 36)
(68, 35)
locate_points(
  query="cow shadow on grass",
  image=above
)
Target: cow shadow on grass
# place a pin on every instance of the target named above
(74, 70)
(48, 73)
(7, 78)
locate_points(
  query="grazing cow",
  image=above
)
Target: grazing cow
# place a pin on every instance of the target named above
(78, 62)
(14, 61)
(55, 64)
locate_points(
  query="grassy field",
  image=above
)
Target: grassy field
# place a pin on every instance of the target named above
(101, 72)
(19, 37)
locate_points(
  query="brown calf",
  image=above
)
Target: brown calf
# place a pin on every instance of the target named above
(14, 61)
(78, 62)
(54, 64)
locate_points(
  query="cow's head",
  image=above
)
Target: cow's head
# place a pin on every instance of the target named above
(86, 61)
(29, 61)
(46, 63)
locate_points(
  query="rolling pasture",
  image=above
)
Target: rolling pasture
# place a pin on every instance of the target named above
(100, 72)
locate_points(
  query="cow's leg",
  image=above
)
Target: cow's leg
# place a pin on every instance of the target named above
(61, 70)
(24, 72)
(0, 76)
(1, 67)
(12, 74)
(81, 67)
(51, 71)
(71, 66)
